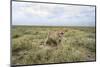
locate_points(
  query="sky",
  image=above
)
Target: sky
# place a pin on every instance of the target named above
(43, 14)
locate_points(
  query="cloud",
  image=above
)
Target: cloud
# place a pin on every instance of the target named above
(25, 13)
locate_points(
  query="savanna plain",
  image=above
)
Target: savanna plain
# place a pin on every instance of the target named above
(78, 44)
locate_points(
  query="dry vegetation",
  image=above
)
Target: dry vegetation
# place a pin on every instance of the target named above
(78, 44)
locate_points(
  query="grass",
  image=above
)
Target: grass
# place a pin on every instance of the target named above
(78, 44)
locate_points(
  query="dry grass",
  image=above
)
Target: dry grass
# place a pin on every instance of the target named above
(78, 44)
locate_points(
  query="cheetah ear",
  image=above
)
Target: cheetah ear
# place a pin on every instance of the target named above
(49, 33)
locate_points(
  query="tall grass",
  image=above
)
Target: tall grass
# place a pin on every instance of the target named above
(78, 44)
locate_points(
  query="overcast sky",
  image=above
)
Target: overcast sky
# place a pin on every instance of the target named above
(26, 13)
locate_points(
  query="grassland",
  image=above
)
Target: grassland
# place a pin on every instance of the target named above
(78, 45)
